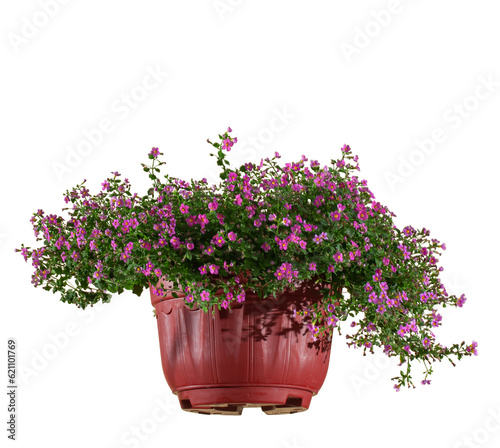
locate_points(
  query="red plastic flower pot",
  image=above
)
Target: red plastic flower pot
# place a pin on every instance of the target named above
(258, 354)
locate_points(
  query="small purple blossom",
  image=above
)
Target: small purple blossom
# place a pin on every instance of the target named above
(214, 269)
(213, 205)
(472, 348)
(238, 200)
(461, 301)
(336, 215)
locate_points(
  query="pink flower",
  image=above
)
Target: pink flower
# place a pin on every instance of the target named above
(238, 200)
(312, 266)
(218, 240)
(214, 269)
(191, 220)
(335, 216)
(205, 295)
(283, 244)
(363, 215)
(232, 236)
(472, 348)
(227, 143)
(332, 320)
(319, 200)
(175, 242)
(213, 205)
(203, 220)
(461, 301)
(184, 209)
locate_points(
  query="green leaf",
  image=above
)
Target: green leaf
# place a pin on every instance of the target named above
(137, 290)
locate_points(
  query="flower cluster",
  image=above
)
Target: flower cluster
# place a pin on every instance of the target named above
(272, 225)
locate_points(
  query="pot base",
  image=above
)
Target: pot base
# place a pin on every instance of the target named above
(231, 400)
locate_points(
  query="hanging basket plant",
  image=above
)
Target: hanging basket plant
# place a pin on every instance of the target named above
(263, 232)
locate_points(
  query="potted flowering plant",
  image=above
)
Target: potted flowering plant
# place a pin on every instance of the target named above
(309, 241)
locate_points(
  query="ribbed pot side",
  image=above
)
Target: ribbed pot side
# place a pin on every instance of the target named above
(258, 354)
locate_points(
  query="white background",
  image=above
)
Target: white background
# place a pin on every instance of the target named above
(293, 77)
